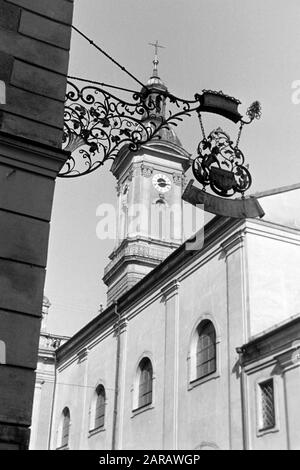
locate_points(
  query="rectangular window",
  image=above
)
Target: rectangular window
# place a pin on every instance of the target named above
(267, 406)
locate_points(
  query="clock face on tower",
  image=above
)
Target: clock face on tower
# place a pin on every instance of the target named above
(161, 183)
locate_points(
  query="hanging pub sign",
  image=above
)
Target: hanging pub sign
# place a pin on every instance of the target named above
(218, 103)
(220, 164)
(98, 123)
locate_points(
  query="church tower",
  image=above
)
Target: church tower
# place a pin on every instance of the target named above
(149, 188)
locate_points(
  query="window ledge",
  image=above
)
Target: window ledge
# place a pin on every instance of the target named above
(263, 432)
(65, 447)
(142, 409)
(92, 432)
(195, 383)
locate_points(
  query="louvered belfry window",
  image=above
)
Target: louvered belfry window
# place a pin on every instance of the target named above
(206, 349)
(65, 427)
(100, 407)
(267, 404)
(145, 382)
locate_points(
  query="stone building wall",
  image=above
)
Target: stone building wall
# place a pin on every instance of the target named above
(34, 55)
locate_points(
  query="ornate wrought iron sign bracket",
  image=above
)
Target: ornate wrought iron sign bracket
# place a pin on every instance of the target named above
(98, 124)
(219, 163)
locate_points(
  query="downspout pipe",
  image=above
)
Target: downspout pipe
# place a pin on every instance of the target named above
(116, 398)
(240, 352)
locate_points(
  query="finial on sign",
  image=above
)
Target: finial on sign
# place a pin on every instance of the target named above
(156, 45)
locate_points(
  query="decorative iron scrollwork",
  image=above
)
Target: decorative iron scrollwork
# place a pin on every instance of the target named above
(220, 165)
(98, 124)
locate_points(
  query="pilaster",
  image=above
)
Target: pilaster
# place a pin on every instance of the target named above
(82, 360)
(237, 329)
(170, 296)
(121, 336)
(289, 363)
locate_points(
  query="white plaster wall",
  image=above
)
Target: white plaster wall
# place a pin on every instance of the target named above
(202, 408)
(145, 336)
(75, 387)
(274, 277)
(70, 393)
(101, 369)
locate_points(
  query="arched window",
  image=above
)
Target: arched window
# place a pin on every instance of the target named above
(160, 220)
(145, 382)
(124, 214)
(65, 430)
(100, 407)
(206, 349)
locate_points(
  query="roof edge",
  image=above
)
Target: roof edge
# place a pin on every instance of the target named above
(166, 268)
(281, 189)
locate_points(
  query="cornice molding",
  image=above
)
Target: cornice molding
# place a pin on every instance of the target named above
(170, 290)
(290, 358)
(82, 355)
(120, 326)
(274, 232)
(234, 242)
(32, 156)
(135, 252)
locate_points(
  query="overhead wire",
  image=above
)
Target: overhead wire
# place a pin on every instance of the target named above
(94, 82)
(81, 385)
(107, 55)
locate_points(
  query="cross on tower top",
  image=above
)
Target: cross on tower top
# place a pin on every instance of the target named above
(156, 45)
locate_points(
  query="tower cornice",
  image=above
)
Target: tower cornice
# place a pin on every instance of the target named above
(167, 150)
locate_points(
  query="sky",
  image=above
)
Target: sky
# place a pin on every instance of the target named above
(247, 49)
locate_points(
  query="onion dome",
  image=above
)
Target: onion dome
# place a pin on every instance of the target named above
(157, 102)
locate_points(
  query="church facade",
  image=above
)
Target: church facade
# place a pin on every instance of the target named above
(198, 346)
(209, 336)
